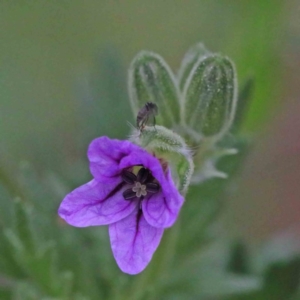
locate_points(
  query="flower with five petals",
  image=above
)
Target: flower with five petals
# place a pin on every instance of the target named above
(133, 192)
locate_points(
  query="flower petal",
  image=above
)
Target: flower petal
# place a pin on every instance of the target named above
(161, 209)
(157, 213)
(96, 203)
(133, 242)
(105, 154)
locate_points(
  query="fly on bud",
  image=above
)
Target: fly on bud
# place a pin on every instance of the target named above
(146, 115)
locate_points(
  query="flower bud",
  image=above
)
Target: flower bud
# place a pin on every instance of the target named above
(190, 58)
(171, 149)
(151, 80)
(210, 96)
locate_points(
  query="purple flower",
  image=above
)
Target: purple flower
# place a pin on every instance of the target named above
(133, 193)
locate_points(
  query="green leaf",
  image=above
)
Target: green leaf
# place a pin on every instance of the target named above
(22, 225)
(5, 294)
(211, 283)
(151, 80)
(168, 146)
(25, 291)
(190, 58)
(66, 283)
(282, 279)
(8, 265)
(210, 96)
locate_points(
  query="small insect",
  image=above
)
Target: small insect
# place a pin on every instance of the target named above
(146, 115)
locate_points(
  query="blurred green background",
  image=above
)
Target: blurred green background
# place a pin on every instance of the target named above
(63, 81)
(50, 48)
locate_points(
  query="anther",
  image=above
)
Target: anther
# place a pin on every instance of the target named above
(152, 187)
(129, 194)
(128, 177)
(143, 175)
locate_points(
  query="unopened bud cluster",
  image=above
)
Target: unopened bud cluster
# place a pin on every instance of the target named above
(196, 109)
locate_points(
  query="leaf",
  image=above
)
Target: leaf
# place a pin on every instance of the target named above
(212, 284)
(5, 294)
(22, 225)
(282, 279)
(25, 291)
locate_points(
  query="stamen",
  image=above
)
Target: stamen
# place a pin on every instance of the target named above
(141, 184)
(143, 175)
(129, 194)
(128, 177)
(152, 187)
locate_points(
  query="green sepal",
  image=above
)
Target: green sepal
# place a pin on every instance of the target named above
(210, 96)
(170, 147)
(206, 164)
(151, 80)
(190, 58)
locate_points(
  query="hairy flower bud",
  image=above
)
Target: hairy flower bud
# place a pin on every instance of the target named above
(209, 96)
(151, 80)
(190, 58)
(171, 148)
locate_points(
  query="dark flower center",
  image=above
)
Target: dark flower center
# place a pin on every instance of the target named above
(140, 185)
